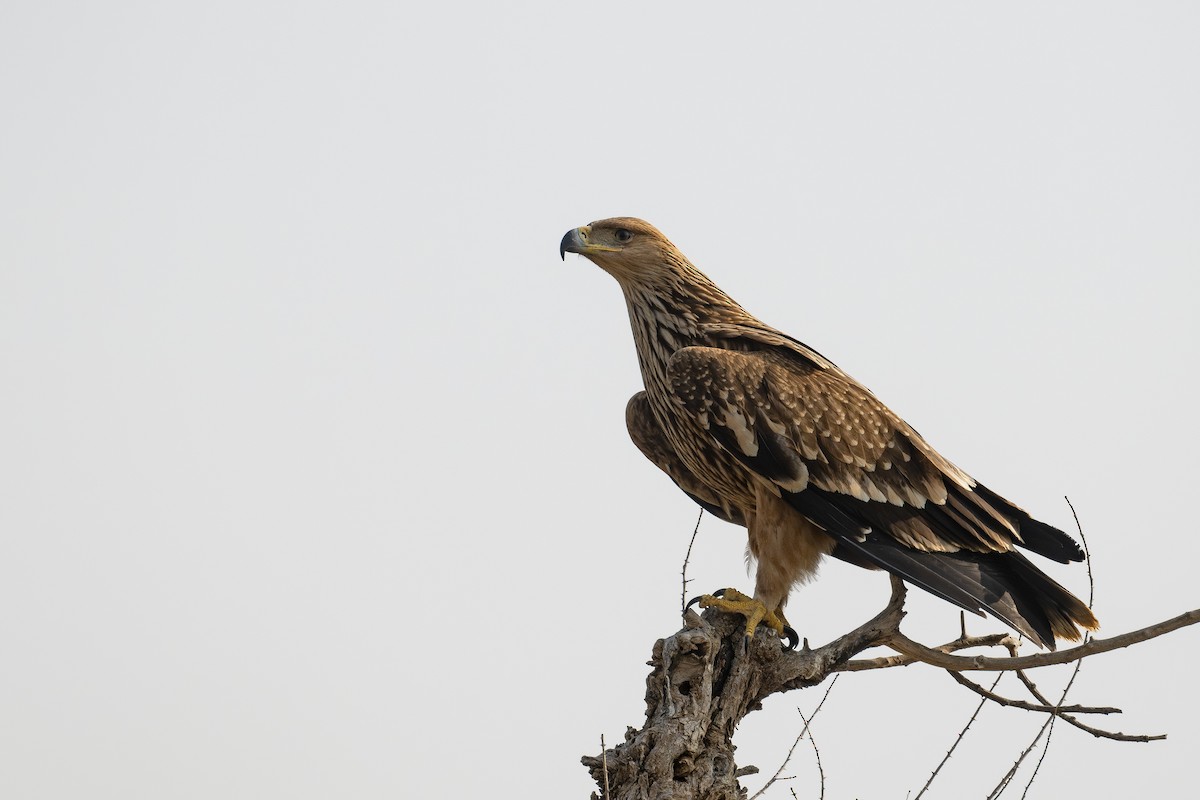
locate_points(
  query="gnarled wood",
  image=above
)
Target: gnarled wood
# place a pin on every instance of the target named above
(705, 679)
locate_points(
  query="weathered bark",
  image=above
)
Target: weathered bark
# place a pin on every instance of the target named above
(706, 678)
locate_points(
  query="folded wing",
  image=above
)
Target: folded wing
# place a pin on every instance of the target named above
(852, 466)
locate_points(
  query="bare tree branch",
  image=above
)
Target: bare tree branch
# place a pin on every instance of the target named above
(1044, 708)
(603, 754)
(816, 751)
(1048, 726)
(792, 749)
(957, 740)
(1012, 771)
(686, 558)
(706, 678)
(1087, 553)
(1097, 732)
(929, 655)
(990, 640)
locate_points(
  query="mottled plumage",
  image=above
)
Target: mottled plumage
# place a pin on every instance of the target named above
(763, 431)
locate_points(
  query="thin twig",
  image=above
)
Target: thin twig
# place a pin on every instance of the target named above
(1033, 690)
(957, 741)
(604, 765)
(792, 749)
(990, 640)
(687, 557)
(1012, 771)
(816, 752)
(1116, 736)
(1041, 759)
(1087, 554)
(1025, 679)
(1047, 729)
(1097, 732)
(1044, 708)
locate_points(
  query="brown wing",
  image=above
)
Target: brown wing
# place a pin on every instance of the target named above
(852, 466)
(808, 428)
(650, 439)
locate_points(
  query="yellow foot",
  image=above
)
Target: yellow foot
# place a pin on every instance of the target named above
(734, 602)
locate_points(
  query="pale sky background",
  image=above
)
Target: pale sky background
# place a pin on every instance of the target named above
(315, 476)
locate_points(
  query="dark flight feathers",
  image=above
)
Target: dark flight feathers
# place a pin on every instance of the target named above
(846, 462)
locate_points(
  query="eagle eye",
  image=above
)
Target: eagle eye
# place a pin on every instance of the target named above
(623, 235)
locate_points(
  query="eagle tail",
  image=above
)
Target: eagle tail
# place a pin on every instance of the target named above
(1035, 535)
(1005, 584)
(1063, 610)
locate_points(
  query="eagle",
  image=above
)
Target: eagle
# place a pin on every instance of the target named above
(764, 432)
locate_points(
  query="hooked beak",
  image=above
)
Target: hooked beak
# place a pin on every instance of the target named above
(576, 241)
(571, 243)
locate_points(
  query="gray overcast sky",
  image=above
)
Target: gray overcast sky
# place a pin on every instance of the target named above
(315, 478)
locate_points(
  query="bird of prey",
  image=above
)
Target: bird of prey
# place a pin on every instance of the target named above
(763, 431)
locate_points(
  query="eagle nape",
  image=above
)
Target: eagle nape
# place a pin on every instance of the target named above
(731, 601)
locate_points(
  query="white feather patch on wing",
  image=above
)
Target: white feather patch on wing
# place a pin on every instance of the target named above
(735, 421)
(797, 483)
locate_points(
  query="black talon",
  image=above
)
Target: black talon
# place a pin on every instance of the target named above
(696, 599)
(793, 638)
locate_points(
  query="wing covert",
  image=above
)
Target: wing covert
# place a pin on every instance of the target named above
(646, 433)
(823, 440)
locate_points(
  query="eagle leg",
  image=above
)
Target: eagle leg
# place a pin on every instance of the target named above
(755, 612)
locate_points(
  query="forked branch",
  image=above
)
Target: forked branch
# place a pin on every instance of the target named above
(706, 678)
